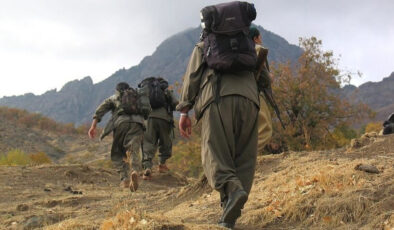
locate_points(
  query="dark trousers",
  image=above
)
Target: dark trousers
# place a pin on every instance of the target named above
(159, 134)
(125, 151)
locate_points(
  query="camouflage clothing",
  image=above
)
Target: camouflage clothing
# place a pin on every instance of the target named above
(127, 139)
(227, 105)
(159, 133)
(127, 135)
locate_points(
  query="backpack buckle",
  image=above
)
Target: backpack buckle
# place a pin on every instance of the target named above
(234, 44)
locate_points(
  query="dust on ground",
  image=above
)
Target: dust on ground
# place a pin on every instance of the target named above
(292, 190)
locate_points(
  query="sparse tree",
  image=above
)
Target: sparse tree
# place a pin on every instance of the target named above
(308, 94)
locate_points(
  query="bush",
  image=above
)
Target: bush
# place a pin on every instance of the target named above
(373, 127)
(308, 96)
(186, 155)
(39, 159)
(15, 157)
(18, 157)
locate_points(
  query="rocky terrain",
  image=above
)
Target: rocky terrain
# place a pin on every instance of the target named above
(58, 146)
(292, 190)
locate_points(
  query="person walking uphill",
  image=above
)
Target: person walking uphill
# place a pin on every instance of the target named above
(159, 132)
(220, 85)
(264, 119)
(126, 124)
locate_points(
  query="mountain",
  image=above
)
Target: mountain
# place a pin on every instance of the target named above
(78, 99)
(379, 96)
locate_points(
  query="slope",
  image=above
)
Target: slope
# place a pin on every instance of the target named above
(297, 190)
(34, 133)
(377, 95)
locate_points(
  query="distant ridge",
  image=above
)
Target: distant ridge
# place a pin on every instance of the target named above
(377, 95)
(77, 100)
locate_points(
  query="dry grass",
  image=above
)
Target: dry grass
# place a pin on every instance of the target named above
(324, 191)
(301, 190)
(293, 190)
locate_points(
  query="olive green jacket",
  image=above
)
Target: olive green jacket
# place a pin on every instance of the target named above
(165, 113)
(113, 104)
(199, 84)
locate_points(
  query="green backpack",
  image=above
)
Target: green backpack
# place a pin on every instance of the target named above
(135, 101)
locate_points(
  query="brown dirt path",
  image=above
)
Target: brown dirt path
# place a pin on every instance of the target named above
(293, 190)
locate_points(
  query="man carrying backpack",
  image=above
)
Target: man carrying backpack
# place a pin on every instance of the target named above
(126, 124)
(220, 85)
(159, 132)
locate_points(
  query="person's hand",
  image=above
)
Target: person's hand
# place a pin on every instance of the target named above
(92, 130)
(185, 126)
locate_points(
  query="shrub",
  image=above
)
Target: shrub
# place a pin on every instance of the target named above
(39, 159)
(18, 157)
(186, 157)
(373, 127)
(308, 96)
(15, 157)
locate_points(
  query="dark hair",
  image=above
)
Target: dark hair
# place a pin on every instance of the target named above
(253, 32)
(122, 86)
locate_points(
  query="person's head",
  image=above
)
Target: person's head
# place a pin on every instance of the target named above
(122, 86)
(255, 35)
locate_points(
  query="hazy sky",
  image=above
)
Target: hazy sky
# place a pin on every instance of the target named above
(46, 43)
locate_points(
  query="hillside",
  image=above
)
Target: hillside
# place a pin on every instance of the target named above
(33, 133)
(78, 99)
(377, 95)
(292, 190)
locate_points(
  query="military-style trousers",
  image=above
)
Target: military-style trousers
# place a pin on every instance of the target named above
(159, 133)
(229, 144)
(264, 125)
(125, 151)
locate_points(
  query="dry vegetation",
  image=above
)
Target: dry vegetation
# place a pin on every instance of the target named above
(292, 190)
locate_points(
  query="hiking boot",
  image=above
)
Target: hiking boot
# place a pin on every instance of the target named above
(147, 174)
(163, 168)
(124, 183)
(232, 210)
(133, 185)
(227, 225)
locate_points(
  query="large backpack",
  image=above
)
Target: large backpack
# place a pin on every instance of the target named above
(135, 101)
(157, 88)
(227, 46)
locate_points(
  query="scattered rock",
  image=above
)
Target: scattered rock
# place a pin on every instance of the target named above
(47, 189)
(370, 135)
(22, 207)
(367, 168)
(70, 173)
(85, 168)
(33, 222)
(69, 189)
(51, 203)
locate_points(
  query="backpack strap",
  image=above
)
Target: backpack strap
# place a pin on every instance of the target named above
(218, 86)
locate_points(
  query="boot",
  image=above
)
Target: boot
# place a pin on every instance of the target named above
(232, 210)
(163, 168)
(124, 183)
(147, 174)
(134, 181)
(227, 225)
